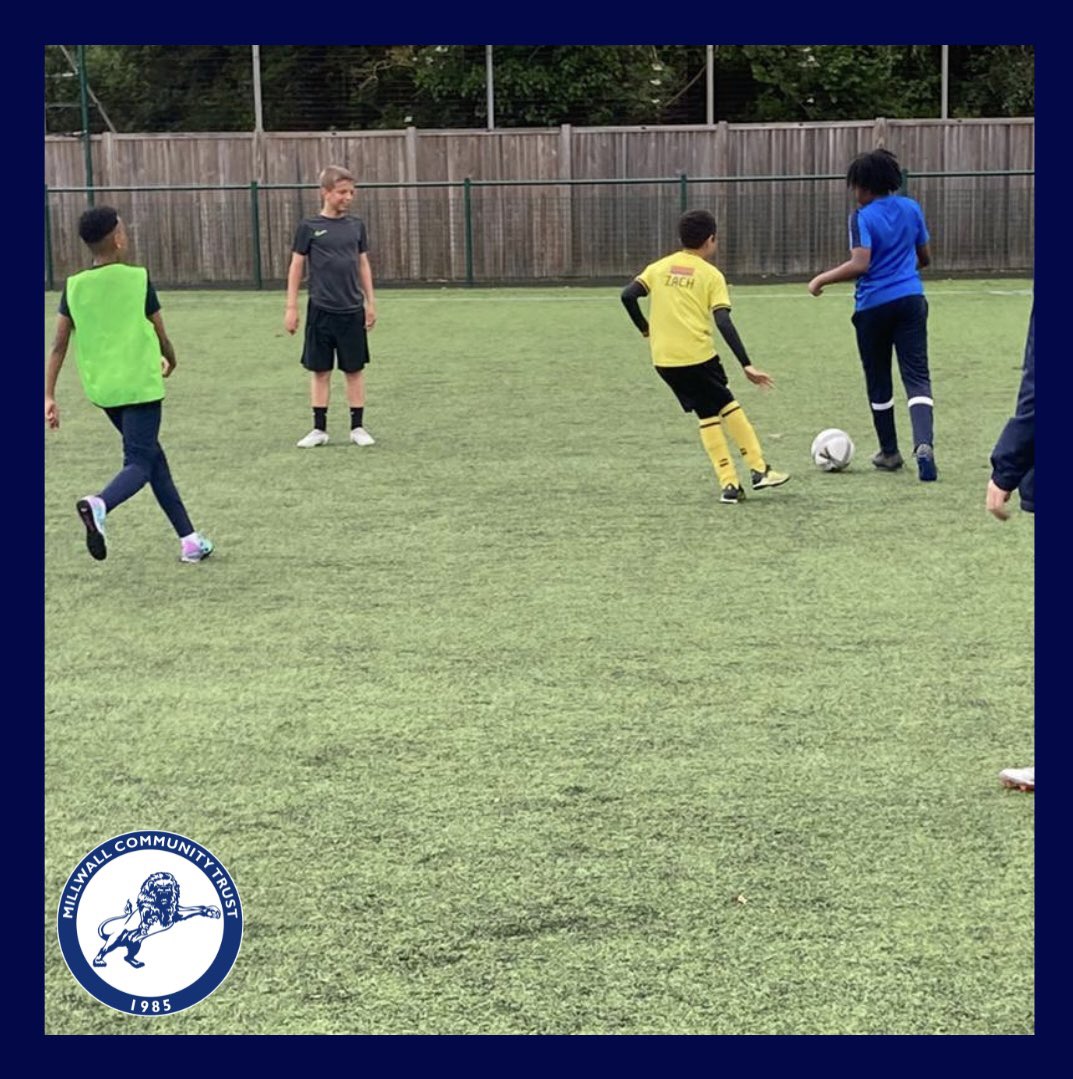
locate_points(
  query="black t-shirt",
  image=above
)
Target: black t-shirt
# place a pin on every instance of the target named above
(333, 246)
(152, 301)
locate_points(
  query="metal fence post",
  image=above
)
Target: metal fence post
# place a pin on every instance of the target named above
(255, 219)
(683, 192)
(467, 212)
(48, 243)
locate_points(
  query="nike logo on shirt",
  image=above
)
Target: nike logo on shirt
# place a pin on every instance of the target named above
(321, 232)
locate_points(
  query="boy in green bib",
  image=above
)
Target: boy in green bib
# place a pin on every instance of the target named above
(123, 356)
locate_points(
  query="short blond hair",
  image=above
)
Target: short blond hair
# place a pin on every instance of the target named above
(330, 176)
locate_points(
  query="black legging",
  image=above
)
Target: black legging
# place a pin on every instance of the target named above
(899, 327)
(144, 462)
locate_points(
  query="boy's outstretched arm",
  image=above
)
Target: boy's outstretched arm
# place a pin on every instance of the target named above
(1014, 455)
(52, 370)
(167, 349)
(630, 295)
(365, 281)
(294, 281)
(732, 338)
(860, 258)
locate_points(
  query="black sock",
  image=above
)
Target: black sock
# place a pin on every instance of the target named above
(355, 417)
(883, 419)
(320, 418)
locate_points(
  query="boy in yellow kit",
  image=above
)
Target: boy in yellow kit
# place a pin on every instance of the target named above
(685, 290)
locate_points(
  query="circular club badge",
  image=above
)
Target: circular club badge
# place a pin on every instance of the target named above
(150, 923)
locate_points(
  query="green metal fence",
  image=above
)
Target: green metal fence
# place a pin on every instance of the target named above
(488, 232)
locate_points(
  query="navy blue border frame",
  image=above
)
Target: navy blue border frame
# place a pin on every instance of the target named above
(25, 482)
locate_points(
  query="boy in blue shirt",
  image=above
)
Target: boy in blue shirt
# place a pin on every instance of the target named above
(888, 241)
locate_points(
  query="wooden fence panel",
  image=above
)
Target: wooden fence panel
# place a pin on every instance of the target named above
(557, 230)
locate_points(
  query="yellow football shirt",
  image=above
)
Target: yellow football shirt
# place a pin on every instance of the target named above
(683, 290)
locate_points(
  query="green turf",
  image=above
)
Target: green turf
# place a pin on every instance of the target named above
(505, 725)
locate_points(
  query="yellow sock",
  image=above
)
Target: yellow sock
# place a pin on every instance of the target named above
(741, 430)
(715, 445)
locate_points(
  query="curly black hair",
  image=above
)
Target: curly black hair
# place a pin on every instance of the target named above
(877, 172)
(97, 224)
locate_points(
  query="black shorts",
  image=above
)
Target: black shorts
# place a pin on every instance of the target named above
(330, 335)
(701, 387)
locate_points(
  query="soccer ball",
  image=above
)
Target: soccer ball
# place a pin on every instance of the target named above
(832, 450)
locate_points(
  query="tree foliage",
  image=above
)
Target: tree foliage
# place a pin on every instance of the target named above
(837, 82)
(355, 87)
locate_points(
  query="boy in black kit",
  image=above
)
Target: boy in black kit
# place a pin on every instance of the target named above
(341, 308)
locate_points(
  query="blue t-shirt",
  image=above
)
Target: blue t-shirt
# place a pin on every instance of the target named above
(891, 227)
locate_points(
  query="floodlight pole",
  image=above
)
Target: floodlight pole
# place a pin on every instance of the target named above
(258, 128)
(490, 81)
(711, 85)
(944, 111)
(258, 110)
(87, 146)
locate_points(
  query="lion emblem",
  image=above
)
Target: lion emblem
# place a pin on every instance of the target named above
(156, 911)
